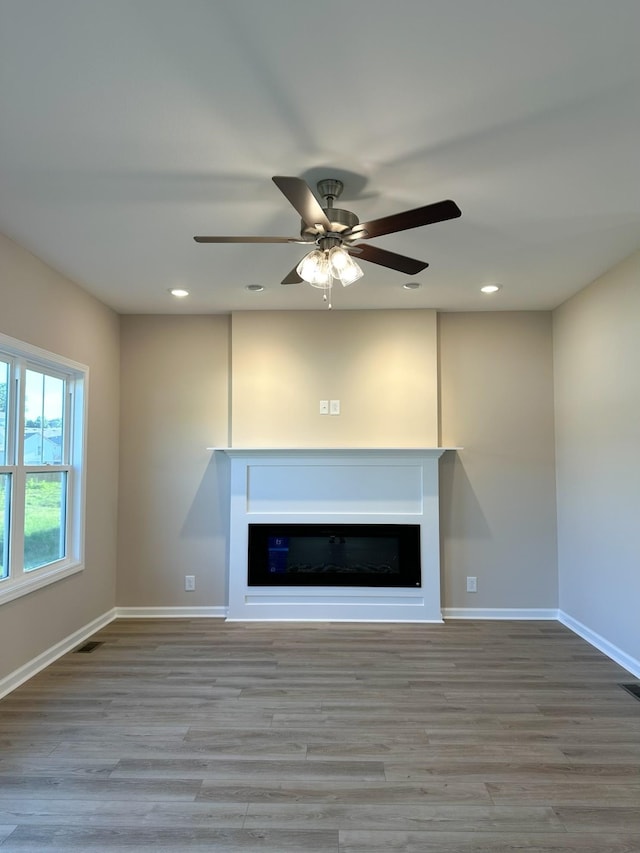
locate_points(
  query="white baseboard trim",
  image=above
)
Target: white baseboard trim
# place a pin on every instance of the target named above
(499, 613)
(171, 612)
(34, 666)
(617, 655)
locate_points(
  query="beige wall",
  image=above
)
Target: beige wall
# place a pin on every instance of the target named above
(173, 499)
(41, 307)
(497, 401)
(597, 388)
(498, 493)
(381, 365)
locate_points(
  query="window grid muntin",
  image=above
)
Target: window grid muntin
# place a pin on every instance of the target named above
(5, 388)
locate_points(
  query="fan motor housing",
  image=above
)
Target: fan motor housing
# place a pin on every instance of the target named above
(341, 220)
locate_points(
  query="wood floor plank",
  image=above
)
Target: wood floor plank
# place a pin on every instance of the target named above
(501, 771)
(340, 791)
(203, 768)
(123, 813)
(62, 787)
(600, 818)
(61, 839)
(460, 818)
(574, 793)
(366, 841)
(245, 744)
(81, 767)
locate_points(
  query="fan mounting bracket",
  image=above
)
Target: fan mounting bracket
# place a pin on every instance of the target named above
(330, 189)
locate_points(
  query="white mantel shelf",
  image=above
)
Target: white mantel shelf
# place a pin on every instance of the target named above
(332, 485)
(328, 451)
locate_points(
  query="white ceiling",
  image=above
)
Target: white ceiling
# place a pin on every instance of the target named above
(128, 126)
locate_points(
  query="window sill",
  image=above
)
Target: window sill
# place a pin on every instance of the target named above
(45, 577)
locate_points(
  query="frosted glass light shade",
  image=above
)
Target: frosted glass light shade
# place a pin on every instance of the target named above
(343, 267)
(314, 268)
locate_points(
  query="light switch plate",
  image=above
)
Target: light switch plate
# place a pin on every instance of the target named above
(334, 407)
(324, 407)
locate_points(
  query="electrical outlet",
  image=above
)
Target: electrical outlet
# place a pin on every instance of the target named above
(334, 407)
(472, 584)
(189, 582)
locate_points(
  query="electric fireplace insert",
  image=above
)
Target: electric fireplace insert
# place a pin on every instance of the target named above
(353, 555)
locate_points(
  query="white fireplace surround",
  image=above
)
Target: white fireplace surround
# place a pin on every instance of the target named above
(332, 486)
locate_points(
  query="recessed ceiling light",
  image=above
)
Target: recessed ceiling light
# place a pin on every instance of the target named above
(411, 285)
(254, 288)
(179, 292)
(491, 288)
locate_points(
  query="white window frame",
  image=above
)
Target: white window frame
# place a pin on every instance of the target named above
(23, 356)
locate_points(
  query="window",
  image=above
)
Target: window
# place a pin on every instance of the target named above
(42, 415)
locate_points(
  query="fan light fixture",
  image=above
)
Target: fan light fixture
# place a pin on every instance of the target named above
(343, 267)
(321, 266)
(314, 268)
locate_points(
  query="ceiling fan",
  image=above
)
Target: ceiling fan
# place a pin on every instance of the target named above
(337, 233)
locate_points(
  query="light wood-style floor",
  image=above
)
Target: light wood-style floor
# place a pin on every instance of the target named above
(183, 735)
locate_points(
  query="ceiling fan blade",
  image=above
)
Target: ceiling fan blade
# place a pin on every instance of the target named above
(292, 277)
(402, 263)
(440, 211)
(246, 239)
(300, 196)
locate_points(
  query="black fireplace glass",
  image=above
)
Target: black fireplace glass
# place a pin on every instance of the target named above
(354, 555)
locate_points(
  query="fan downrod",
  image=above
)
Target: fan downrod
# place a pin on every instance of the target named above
(341, 220)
